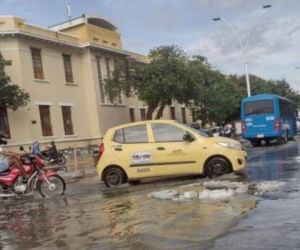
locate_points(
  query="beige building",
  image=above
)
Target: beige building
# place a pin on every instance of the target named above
(64, 68)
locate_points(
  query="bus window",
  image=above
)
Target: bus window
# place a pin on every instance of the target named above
(285, 109)
(259, 107)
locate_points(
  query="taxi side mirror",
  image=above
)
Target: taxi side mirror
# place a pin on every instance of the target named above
(188, 137)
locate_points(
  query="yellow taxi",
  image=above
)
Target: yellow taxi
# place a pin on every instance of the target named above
(161, 148)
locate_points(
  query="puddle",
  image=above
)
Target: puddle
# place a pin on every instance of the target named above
(216, 190)
(263, 187)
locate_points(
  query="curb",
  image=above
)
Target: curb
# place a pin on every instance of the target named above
(79, 174)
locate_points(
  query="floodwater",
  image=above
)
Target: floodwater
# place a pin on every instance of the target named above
(275, 223)
(232, 212)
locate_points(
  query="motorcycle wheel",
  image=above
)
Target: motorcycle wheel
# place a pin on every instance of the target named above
(56, 187)
(61, 160)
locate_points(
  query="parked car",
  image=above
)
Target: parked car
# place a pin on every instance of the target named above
(147, 149)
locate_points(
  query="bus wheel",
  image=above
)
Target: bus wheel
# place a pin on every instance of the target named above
(285, 137)
(256, 143)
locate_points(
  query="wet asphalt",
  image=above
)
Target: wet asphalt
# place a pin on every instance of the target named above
(165, 214)
(275, 222)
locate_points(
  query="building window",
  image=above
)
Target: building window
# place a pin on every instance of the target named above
(37, 63)
(143, 114)
(131, 114)
(107, 64)
(172, 112)
(183, 114)
(100, 80)
(68, 68)
(4, 125)
(45, 120)
(67, 118)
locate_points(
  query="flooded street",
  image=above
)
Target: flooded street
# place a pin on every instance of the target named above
(275, 223)
(234, 212)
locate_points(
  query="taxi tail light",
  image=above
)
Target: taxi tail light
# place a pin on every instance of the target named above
(244, 129)
(101, 150)
(277, 125)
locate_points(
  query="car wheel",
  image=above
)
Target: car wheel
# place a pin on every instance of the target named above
(114, 177)
(217, 166)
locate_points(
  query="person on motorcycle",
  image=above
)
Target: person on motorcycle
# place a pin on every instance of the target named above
(53, 150)
(14, 161)
(36, 148)
(228, 130)
(9, 159)
(3, 163)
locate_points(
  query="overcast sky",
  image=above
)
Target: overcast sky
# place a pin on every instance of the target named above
(273, 44)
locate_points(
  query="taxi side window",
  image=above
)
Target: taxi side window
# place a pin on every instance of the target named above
(167, 133)
(119, 136)
(134, 134)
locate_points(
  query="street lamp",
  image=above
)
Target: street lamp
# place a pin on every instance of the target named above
(242, 45)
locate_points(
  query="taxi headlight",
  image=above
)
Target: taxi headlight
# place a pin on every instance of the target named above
(226, 144)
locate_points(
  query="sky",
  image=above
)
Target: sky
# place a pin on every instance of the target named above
(270, 37)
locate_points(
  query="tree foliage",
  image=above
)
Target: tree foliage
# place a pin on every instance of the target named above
(171, 77)
(11, 96)
(157, 84)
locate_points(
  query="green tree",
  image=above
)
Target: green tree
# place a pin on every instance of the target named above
(262, 86)
(171, 76)
(11, 96)
(215, 98)
(157, 84)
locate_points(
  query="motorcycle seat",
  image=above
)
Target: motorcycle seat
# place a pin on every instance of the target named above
(5, 173)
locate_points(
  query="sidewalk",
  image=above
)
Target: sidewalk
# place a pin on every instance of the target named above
(80, 174)
(85, 167)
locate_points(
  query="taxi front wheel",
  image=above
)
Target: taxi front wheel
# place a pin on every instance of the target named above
(217, 166)
(114, 177)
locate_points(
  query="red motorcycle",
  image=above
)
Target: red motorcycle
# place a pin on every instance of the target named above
(47, 182)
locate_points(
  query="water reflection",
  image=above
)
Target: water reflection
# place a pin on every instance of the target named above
(128, 218)
(131, 221)
(275, 164)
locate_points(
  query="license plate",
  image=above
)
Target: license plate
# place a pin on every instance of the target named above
(260, 136)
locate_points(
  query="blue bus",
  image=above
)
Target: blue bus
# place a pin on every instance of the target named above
(266, 117)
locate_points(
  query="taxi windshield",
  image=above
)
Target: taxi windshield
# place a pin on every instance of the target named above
(198, 131)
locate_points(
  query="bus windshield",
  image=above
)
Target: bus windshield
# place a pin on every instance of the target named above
(259, 107)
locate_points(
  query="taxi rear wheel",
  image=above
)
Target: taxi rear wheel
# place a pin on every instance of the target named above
(217, 166)
(114, 177)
